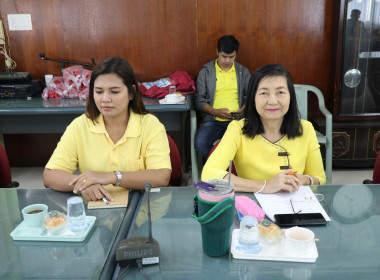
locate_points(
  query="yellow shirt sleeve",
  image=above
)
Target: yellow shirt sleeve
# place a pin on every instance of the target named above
(258, 159)
(155, 151)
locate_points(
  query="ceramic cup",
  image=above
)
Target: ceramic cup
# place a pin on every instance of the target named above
(34, 214)
(298, 240)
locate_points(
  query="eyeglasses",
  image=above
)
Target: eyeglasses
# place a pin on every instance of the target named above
(308, 199)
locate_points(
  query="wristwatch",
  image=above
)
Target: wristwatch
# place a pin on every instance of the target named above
(118, 176)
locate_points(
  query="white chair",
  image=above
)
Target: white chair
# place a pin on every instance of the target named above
(326, 139)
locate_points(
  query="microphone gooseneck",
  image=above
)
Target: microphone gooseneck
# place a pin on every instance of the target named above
(147, 187)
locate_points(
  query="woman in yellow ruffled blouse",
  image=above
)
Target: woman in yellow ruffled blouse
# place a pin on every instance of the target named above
(272, 148)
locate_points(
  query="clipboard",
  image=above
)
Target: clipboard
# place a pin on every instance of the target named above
(119, 194)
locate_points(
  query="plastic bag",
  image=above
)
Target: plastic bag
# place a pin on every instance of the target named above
(164, 82)
(56, 89)
(73, 84)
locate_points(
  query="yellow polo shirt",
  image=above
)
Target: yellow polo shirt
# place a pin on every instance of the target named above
(226, 91)
(87, 146)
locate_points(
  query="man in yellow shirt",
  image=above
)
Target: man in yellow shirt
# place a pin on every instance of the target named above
(220, 94)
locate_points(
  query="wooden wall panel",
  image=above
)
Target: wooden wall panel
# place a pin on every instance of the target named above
(156, 37)
(294, 33)
(159, 37)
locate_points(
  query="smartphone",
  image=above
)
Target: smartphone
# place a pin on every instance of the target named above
(235, 115)
(302, 219)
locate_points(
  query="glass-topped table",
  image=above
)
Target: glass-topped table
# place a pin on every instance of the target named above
(93, 258)
(348, 246)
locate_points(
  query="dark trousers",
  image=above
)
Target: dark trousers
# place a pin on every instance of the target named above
(207, 134)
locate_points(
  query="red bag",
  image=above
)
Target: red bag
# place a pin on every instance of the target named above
(181, 79)
(184, 82)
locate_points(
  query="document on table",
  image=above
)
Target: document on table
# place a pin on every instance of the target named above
(279, 203)
(119, 194)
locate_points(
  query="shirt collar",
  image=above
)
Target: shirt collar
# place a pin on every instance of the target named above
(98, 125)
(218, 69)
(134, 125)
(133, 128)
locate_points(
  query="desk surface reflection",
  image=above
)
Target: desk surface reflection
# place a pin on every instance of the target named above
(89, 259)
(347, 247)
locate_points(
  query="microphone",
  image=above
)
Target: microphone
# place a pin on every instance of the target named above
(64, 62)
(138, 248)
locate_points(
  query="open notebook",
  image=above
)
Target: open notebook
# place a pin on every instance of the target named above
(119, 194)
(279, 203)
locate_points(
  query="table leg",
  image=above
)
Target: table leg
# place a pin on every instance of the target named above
(194, 161)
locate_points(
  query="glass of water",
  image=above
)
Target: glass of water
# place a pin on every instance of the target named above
(172, 89)
(75, 214)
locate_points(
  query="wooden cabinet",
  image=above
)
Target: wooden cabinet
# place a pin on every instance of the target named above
(355, 83)
(355, 144)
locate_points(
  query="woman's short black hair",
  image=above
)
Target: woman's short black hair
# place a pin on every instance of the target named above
(122, 68)
(291, 125)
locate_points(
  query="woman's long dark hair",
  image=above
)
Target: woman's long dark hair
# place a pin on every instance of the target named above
(122, 68)
(291, 125)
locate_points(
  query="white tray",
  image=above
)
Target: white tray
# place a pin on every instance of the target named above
(23, 232)
(272, 252)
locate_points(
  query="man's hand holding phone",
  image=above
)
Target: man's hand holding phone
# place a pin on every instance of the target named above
(235, 115)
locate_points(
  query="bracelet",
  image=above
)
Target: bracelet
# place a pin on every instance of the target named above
(265, 183)
(311, 180)
(118, 176)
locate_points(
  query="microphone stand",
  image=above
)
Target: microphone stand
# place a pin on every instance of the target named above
(64, 62)
(147, 187)
(139, 250)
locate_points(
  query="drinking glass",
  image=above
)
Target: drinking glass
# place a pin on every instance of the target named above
(172, 89)
(75, 214)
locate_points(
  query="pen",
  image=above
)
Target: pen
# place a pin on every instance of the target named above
(292, 172)
(105, 200)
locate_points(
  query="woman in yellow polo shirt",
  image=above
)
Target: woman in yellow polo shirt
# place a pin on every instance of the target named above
(117, 141)
(272, 148)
